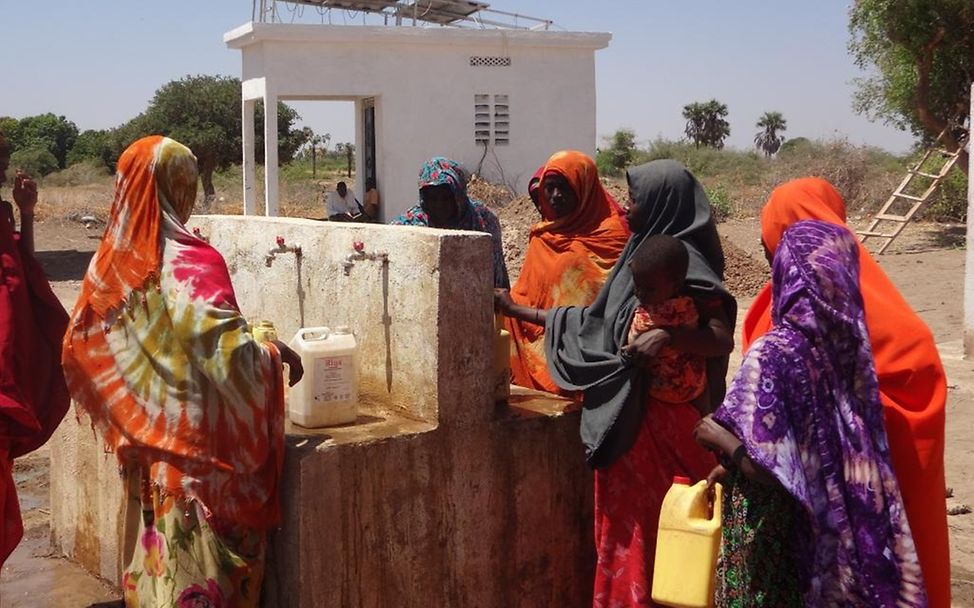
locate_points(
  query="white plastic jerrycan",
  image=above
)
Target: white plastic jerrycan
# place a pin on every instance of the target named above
(328, 393)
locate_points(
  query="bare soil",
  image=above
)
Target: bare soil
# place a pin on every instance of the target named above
(926, 263)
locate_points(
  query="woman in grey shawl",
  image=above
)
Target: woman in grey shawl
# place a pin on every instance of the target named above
(636, 443)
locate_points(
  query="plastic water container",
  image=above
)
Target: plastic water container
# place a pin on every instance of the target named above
(264, 331)
(502, 360)
(328, 393)
(687, 545)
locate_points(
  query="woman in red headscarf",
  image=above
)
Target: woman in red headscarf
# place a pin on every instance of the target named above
(912, 384)
(570, 253)
(33, 395)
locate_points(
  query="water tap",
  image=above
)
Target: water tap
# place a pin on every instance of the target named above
(282, 247)
(358, 253)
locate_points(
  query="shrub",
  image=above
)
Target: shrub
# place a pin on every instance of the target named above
(720, 202)
(949, 202)
(81, 173)
(36, 161)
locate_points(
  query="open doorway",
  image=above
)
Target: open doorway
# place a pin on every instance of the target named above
(325, 158)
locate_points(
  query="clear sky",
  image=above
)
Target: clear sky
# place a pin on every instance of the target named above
(98, 63)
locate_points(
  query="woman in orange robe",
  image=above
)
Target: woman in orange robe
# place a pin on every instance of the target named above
(570, 253)
(912, 384)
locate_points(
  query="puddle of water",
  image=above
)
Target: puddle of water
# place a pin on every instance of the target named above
(32, 578)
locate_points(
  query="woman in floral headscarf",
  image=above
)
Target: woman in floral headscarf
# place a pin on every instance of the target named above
(570, 254)
(444, 204)
(158, 354)
(813, 514)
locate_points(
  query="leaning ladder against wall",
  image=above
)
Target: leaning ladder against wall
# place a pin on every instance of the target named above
(932, 167)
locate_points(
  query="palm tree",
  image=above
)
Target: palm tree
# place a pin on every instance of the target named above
(705, 123)
(768, 140)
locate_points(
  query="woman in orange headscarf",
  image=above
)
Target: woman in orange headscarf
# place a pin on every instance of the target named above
(912, 384)
(570, 253)
(160, 358)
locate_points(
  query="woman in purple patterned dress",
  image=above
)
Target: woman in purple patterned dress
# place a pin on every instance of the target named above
(812, 511)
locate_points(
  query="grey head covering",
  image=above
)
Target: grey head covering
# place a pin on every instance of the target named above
(583, 344)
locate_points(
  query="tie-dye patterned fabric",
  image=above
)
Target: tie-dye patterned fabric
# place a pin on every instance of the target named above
(912, 383)
(160, 357)
(805, 403)
(472, 215)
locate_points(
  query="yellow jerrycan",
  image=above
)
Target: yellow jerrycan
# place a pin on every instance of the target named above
(687, 545)
(502, 360)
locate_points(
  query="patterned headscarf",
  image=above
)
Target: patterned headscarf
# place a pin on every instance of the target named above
(471, 215)
(912, 382)
(160, 357)
(806, 406)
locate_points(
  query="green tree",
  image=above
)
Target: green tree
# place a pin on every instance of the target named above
(50, 132)
(8, 126)
(921, 56)
(619, 154)
(93, 145)
(706, 123)
(35, 160)
(314, 146)
(203, 112)
(347, 150)
(768, 139)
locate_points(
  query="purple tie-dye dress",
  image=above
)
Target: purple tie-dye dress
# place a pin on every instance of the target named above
(805, 403)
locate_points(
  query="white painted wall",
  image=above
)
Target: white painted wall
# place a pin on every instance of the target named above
(424, 90)
(969, 263)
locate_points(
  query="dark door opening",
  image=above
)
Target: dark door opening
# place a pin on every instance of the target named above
(368, 144)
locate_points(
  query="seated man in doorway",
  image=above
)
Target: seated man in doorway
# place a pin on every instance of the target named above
(342, 206)
(371, 200)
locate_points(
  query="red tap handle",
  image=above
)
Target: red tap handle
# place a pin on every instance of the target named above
(280, 241)
(358, 246)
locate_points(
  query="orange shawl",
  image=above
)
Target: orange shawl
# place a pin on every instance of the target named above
(566, 264)
(912, 384)
(160, 357)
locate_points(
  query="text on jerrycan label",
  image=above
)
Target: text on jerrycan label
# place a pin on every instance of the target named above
(334, 379)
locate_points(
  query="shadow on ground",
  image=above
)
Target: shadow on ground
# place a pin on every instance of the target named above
(64, 265)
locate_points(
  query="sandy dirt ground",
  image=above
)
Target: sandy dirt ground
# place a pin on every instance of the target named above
(926, 263)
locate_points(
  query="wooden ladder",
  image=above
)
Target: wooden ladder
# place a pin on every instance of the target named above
(915, 201)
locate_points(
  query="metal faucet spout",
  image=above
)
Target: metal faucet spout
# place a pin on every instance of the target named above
(360, 254)
(281, 248)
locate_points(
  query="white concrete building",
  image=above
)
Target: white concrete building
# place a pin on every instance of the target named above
(498, 100)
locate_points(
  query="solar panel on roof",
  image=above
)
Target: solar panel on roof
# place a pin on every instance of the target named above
(442, 12)
(375, 6)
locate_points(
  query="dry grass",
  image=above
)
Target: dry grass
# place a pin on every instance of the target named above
(742, 179)
(62, 198)
(74, 202)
